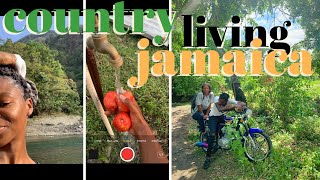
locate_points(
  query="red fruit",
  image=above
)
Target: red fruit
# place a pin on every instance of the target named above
(122, 122)
(122, 107)
(110, 101)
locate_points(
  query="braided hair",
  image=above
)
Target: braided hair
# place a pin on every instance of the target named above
(28, 88)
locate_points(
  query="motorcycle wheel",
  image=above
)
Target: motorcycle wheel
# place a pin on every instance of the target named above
(262, 148)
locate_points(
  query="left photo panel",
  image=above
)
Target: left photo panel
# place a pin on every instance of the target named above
(41, 95)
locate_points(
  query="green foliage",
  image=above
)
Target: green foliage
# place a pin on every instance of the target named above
(281, 97)
(289, 160)
(184, 87)
(307, 14)
(193, 134)
(308, 128)
(69, 54)
(285, 107)
(219, 12)
(57, 93)
(153, 98)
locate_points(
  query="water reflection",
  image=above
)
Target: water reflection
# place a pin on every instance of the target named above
(56, 149)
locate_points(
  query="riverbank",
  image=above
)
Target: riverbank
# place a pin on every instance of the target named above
(54, 125)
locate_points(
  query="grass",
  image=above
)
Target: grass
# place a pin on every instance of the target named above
(223, 166)
(153, 99)
(295, 153)
(293, 156)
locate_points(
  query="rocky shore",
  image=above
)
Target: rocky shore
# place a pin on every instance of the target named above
(53, 125)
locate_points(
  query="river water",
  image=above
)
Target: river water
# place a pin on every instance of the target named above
(56, 149)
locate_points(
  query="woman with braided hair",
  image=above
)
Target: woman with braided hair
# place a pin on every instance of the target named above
(18, 97)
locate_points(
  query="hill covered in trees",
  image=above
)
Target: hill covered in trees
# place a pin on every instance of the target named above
(70, 54)
(54, 64)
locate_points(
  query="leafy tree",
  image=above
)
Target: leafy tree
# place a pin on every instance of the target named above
(279, 98)
(70, 55)
(57, 93)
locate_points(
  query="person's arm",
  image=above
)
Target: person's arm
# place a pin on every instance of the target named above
(233, 104)
(200, 108)
(140, 129)
(220, 108)
(199, 103)
(7, 58)
(207, 112)
(14, 60)
(240, 105)
(211, 96)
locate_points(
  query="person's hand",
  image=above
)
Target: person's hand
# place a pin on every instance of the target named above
(14, 60)
(139, 126)
(205, 117)
(229, 106)
(239, 107)
(140, 129)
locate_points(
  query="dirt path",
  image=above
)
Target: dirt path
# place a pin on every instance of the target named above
(188, 160)
(51, 125)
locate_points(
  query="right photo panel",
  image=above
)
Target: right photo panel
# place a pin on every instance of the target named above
(245, 103)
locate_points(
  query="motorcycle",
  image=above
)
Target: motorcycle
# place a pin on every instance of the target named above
(257, 145)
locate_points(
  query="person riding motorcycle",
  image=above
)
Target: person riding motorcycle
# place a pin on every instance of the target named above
(221, 103)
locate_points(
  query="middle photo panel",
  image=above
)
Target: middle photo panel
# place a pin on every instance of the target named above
(124, 123)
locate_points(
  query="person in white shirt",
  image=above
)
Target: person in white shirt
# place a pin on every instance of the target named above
(221, 104)
(204, 100)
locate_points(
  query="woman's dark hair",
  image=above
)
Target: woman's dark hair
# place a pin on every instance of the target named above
(206, 84)
(224, 96)
(28, 87)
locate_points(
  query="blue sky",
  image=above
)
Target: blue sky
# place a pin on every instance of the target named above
(267, 20)
(19, 25)
(295, 33)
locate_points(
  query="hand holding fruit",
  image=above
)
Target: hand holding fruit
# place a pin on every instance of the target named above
(112, 103)
(129, 116)
(138, 127)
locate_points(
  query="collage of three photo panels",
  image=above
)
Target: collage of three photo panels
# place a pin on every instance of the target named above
(189, 86)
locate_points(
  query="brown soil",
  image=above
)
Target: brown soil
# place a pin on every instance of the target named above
(187, 159)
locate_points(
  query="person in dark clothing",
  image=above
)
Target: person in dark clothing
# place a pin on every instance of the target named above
(221, 103)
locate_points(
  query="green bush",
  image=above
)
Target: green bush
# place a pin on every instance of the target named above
(308, 129)
(290, 159)
(153, 98)
(57, 93)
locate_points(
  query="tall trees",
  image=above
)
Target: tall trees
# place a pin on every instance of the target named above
(57, 93)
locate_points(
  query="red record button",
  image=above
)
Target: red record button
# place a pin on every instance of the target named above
(127, 154)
